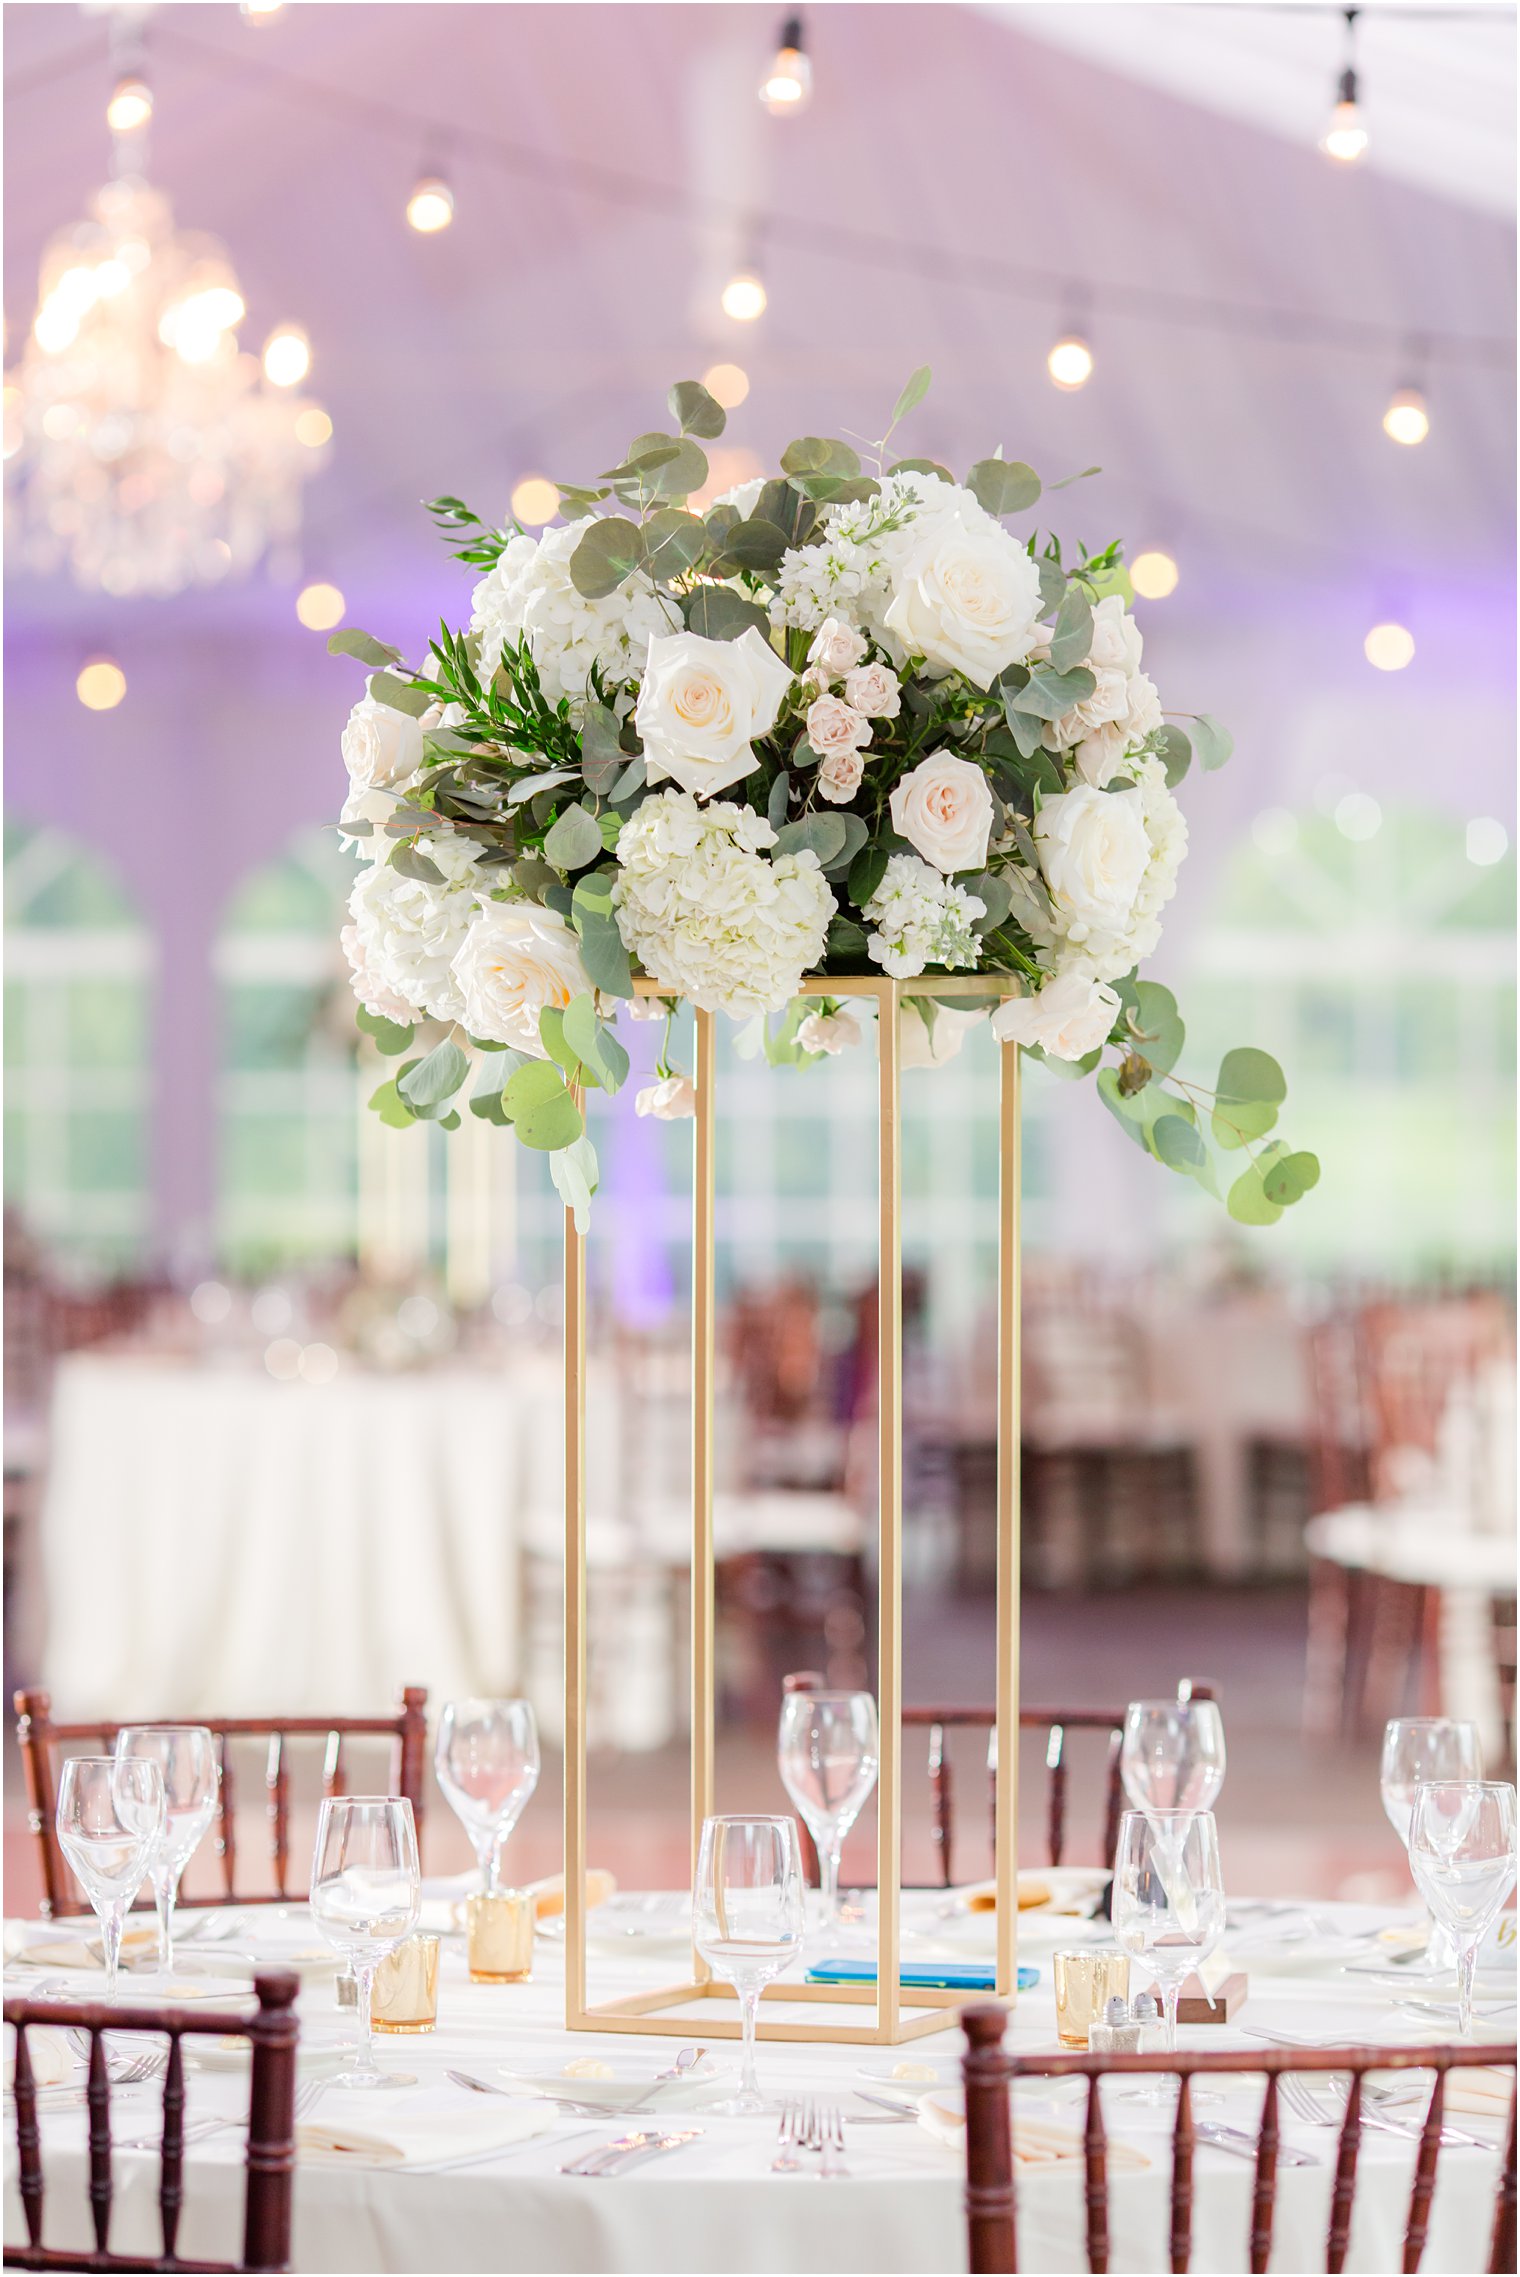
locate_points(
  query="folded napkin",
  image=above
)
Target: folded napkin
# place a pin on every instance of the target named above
(549, 1895)
(443, 1907)
(1035, 2142)
(1481, 2093)
(24, 1945)
(420, 2138)
(53, 2059)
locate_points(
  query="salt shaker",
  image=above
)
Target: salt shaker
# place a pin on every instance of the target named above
(1116, 2035)
(1151, 2030)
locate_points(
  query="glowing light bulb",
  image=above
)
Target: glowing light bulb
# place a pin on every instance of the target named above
(101, 685)
(313, 428)
(1406, 420)
(1153, 575)
(287, 356)
(131, 105)
(1070, 363)
(260, 11)
(430, 206)
(535, 500)
(788, 84)
(727, 384)
(1390, 647)
(1487, 841)
(320, 607)
(744, 297)
(1345, 138)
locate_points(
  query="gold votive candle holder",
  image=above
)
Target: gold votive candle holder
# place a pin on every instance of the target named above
(405, 1996)
(1085, 1982)
(499, 1927)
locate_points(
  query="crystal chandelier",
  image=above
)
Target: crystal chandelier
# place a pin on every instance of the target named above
(146, 450)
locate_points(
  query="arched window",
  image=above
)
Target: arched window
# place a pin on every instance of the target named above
(79, 965)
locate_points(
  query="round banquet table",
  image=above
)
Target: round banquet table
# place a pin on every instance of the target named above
(715, 2204)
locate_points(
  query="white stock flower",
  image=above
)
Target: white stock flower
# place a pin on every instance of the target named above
(922, 1047)
(943, 808)
(920, 919)
(875, 690)
(530, 594)
(670, 1100)
(382, 748)
(966, 600)
(836, 649)
(848, 571)
(707, 914)
(409, 933)
(1110, 861)
(516, 959)
(830, 1032)
(1070, 1015)
(702, 704)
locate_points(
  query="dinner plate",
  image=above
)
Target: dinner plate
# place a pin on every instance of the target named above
(628, 2082)
(657, 1922)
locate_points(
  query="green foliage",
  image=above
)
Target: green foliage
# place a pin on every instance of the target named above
(821, 834)
(912, 395)
(1212, 742)
(436, 1077)
(390, 1038)
(696, 412)
(542, 1111)
(1175, 751)
(1072, 636)
(609, 553)
(351, 642)
(595, 920)
(719, 614)
(401, 695)
(1047, 694)
(576, 1177)
(1003, 486)
(573, 840)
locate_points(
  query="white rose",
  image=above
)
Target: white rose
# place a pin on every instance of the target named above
(1144, 714)
(1098, 755)
(966, 600)
(1116, 642)
(831, 1032)
(516, 959)
(874, 690)
(839, 777)
(702, 704)
(381, 747)
(834, 728)
(1068, 1017)
(836, 648)
(944, 810)
(372, 989)
(670, 1101)
(918, 1047)
(1094, 852)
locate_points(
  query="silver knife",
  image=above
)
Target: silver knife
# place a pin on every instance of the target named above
(1247, 2146)
(888, 2103)
(591, 2160)
(655, 2148)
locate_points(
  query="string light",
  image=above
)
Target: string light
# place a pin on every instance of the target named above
(744, 297)
(1345, 138)
(101, 685)
(788, 84)
(1407, 419)
(260, 11)
(535, 500)
(1153, 574)
(1487, 841)
(313, 427)
(131, 105)
(1390, 647)
(320, 607)
(430, 206)
(727, 384)
(287, 356)
(1070, 363)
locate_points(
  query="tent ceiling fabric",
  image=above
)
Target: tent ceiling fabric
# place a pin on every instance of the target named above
(954, 170)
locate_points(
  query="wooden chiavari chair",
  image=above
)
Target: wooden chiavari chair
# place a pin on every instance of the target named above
(41, 1741)
(270, 2157)
(991, 2210)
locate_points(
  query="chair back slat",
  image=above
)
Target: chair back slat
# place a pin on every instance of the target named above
(1182, 2175)
(171, 2179)
(1502, 2258)
(277, 1787)
(1113, 1806)
(332, 1766)
(1055, 1794)
(1264, 2185)
(1344, 2193)
(1425, 2177)
(1095, 2164)
(98, 2097)
(28, 2141)
(226, 1825)
(989, 2144)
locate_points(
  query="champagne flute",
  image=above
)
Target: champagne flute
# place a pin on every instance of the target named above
(1416, 1751)
(1172, 1757)
(1168, 1902)
(110, 1815)
(828, 1750)
(366, 1892)
(486, 1760)
(1462, 1855)
(747, 1920)
(186, 1758)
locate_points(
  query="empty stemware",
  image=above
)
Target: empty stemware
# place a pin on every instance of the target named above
(1172, 1757)
(1416, 1751)
(110, 1815)
(186, 1758)
(486, 1760)
(1168, 1901)
(366, 1892)
(747, 1920)
(828, 1749)
(1462, 1854)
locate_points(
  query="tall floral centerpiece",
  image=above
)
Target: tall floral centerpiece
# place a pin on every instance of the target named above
(857, 717)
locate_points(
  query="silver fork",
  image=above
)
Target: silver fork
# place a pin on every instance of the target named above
(199, 2129)
(1306, 2105)
(831, 2143)
(789, 2137)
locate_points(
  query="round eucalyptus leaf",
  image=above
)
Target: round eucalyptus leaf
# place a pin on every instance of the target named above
(610, 552)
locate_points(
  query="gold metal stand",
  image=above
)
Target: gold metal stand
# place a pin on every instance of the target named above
(900, 2012)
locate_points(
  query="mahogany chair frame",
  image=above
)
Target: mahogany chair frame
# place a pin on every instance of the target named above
(270, 2162)
(989, 2069)
(40, 1739)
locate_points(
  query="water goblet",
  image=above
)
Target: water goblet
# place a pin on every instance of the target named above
(1462, 1855)
(110, 1815)
(1168, 1903)
(747, 1920)
(1416, 1751)
(486, 1761)
(186, 1758)
(828, 1750)
(366, 1892)
(1172, 1756)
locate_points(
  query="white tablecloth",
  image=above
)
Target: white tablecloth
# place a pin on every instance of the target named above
(716, 2205)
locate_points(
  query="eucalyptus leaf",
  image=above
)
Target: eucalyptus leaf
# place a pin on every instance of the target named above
(754, 545)
(855, 836)
(551, 1034)
(351, 642)
(533, 877)
(1247, 1201)
(783, 503)
(574, 840)
(602, 950)
(602, 755)
(778, 804)
(1290, 1177)
(593, 1044)
(1175, 751)
(820, 834)
(611, 550)
(541, 1108)
(1049, 694)
(1072, 637)
(819, 454)
(674, 542)
(1251, 1075)
(392, 1109)
(913, 394)
(408, 863)
(696, 412)
(574, 1171)
(1052, 585)
(720, 614)
(866, 873)
(1234, 1122)
(389, 1035)
(921, 466)
(846, 938)
(400, 695)
(1067, 480)
(529, 786)
(835, 489)
(996, 897)
(1156, 1026)
(665, 468)
(1003, 486)
(436, 1077)
(1212, 742)
(1177, 1143)
(631, 780)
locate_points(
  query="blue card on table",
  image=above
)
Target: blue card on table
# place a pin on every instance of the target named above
(937, 1976)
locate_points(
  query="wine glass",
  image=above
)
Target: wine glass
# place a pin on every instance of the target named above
(747, 1919)
(828, 1750)
(1416, 1751)
(186, 1758)
(1172, 1757)
(366, 1891)
(1168, 1902)
(1462, 1855)
(486, 1759)
(110, 1816)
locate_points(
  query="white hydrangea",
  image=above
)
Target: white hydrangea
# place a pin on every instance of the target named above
(848, 570)
(1092, 934)
(407, 932)
(708, 915)
(920, 919)
(530, 592)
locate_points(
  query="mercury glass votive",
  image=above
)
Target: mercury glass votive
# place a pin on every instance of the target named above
(405, 1997)
(499, 1927)
(1085, 1983)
